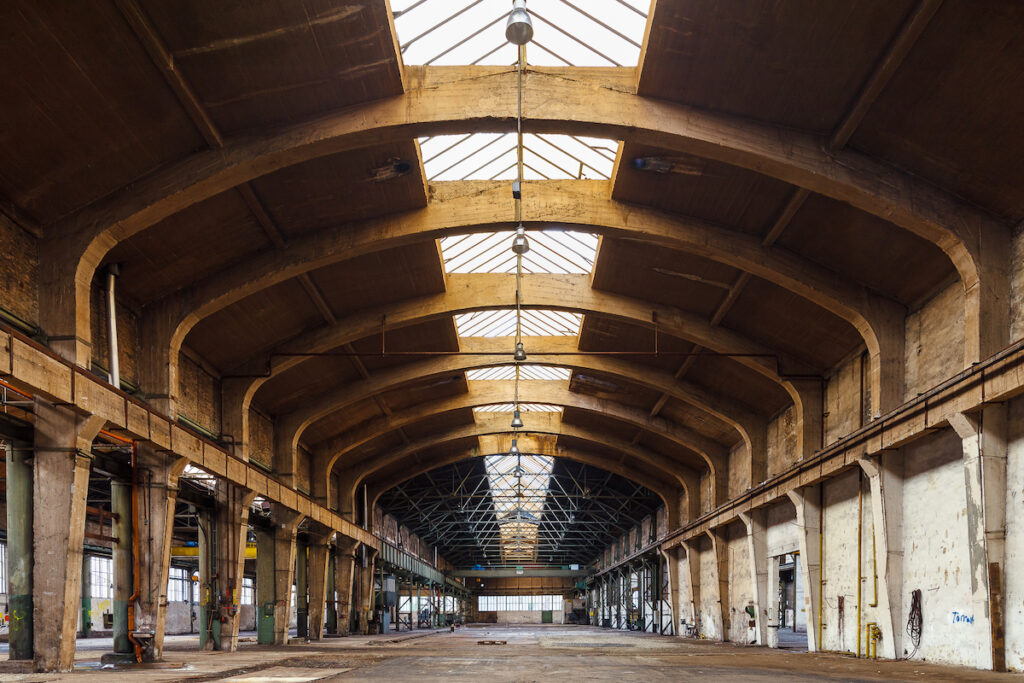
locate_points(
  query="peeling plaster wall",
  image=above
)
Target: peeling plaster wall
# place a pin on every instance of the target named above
(935, 549)
(198, 394)
(935, 341)
(710, 614)
(741, 591)
(839, 551)
(1017, 286)
(19, 265)
(843, 399)
(739, 469)
(261, 438)
(1013, 603)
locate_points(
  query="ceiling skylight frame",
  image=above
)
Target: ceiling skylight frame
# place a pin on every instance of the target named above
(492, 156)
(552, 250)
(566, 32)
(501, 322)
(527, 372)
(523, 407)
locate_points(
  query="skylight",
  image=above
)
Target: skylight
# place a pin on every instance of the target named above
(526, 372)
(502, 323)
(563, 252)
(519, 487)
(523, 407)
(492, 156)
(566, 32)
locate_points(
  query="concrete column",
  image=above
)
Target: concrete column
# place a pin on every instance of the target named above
(808, 521)
(265, 586)
(772, 593)
(331, 594)
(286, 524)
(86, 616)
(885, 476)
(675, 602)
(121, 505)
(156, 498)
(207, 592)
(720, 579)
(231, 534)
(984, 458)
(366, 592)
(19, 551)
(344, 573)
(693, 576)
(316, 571)
(158, 360)
(61, 464)
(301, 590)
(757, 552)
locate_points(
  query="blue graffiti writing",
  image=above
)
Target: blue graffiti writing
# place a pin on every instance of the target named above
(959, 618)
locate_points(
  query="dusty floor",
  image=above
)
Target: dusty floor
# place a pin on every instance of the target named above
(534, 653)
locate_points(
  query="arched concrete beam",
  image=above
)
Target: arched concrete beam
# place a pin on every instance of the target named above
(680, 507)
(591, 102)
(490, 352)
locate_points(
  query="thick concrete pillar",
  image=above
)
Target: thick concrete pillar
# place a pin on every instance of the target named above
(316, 581)
(885, 476)
(301, 590)
(984, 457)
(693, 576)
(331, 604)
(720, 578)
(772, 591)
(671, 558)
(265, 586)
(231, 533)
(366, 591)
(121, 505)
(19, 551)
(757, 552)
(156, 498)
(344, 573)
(208, 626)
(61, 464)
(808, 521)
(286, 525)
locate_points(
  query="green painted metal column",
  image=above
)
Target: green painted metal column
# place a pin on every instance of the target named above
(86, 617)
(19, 552)
(265, 587)
(206, 626)
(332, 605)
(121, 505)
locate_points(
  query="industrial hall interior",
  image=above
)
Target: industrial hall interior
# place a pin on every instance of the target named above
(511, 340)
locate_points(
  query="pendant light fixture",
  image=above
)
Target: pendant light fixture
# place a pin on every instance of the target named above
(519, 28)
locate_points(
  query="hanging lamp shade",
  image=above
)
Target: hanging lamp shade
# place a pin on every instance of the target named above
(520, 352)
(520, 245)
(517, 419)
(519, 29)
(515, 448)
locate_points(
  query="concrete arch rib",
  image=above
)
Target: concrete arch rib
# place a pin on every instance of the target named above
(680, 506)
(685, 477)
(714, 454)
(489, 352)
(582, 101)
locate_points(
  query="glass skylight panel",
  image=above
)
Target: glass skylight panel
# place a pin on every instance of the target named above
(566, 32)
(526, 372)
(502, 323)
(492, 156)
(519, 488)
(565, 252)
(523, 407)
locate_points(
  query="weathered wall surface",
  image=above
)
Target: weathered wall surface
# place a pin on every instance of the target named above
(840, 523)
(127, 334)
(741, 587)
(1013, 604)
(935, 341)
(935, 551)
(19, 263)
(198, 394)
(843, 398)
(1017, 286)
(781, 443)
(261, 438)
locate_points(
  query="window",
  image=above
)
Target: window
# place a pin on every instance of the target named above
(502, 323)
(493, 156)
(178, 585)
(101, 577)
(564, 252)
(3, 568)
(248, 591)
(519, 603)
(526, 372)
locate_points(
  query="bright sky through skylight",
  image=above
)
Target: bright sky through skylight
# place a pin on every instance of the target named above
(566, 32)
(523, 407)
(526, 372)
(551, 251)
(519, 488)
(502, 323)
(492, 156)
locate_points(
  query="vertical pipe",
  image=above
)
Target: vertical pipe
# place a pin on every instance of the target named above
(86, 597)
(135, 554)
(113, 270)
(19, 552)
(860, 525)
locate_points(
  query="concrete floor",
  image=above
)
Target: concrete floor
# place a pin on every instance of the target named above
(529, 653)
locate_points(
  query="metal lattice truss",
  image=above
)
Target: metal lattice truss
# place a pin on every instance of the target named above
(578, 511)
